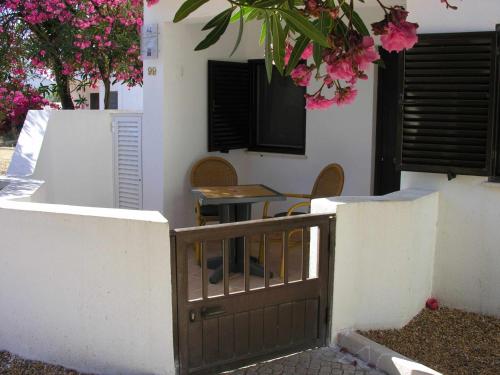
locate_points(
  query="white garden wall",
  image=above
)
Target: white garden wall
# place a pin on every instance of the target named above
(384, 257)
(467, 254)
(76, 158)
(86, 288)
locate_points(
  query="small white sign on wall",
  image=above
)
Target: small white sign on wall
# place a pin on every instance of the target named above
(149, 48)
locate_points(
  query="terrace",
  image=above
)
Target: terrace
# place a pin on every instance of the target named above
(97, 211)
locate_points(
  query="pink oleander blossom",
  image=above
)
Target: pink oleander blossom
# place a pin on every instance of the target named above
(301, 75)
(318, 102)
(307, 52)
(341, 69)
(399, 36)
(345, 96)
(367, 53)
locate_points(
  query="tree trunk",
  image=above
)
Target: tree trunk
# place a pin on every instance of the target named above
(63, 88)
(107, 93)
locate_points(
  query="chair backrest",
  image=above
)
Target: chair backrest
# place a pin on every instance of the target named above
(213, 171)
(330, 182)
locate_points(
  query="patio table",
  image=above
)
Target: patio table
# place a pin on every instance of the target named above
(235, 204)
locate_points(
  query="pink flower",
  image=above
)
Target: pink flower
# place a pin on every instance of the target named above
(307, 52)
(345, 96)
(341, 69)
(318, 102)
(399, 36)
(367, 53)
(301, 75)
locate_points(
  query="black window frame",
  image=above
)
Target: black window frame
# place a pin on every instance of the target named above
(450, 143)
(228, 126)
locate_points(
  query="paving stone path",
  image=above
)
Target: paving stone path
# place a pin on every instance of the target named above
(322, 361)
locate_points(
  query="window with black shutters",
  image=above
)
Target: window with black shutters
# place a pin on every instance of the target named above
(447, 112)
(113, 100)
(278, 116)
(246, 111)
(228, 105)
(94, 100)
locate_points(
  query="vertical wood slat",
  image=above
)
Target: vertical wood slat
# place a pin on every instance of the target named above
(266, 261)
(256, 331)
(270, 326)
(204, 271)
(241, 333)
(211, 340)
(305, 255)
(227, 335)
(247, 263)
(195, 350)
(298, 320)
(285, 324)
(285, 256)
(225, 255)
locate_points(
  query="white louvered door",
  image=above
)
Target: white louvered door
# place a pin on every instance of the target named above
(127, 147)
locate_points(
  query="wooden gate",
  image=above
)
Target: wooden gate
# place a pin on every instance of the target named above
(244, 317)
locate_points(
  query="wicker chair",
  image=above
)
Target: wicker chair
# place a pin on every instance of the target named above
(210, 171)
(329, 183)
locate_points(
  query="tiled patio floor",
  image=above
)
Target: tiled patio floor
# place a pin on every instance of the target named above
(322, 361)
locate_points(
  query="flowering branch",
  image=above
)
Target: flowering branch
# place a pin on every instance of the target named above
(326, 36)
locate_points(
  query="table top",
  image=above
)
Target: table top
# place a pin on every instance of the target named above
(209, 195)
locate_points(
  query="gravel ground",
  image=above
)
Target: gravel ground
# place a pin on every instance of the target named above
(5, 156)
(13, 365)
(450, 341)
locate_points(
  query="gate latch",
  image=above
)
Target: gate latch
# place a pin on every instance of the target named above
(192, 316)
(209, 312)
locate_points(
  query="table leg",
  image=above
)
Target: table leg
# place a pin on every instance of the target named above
(231, 213)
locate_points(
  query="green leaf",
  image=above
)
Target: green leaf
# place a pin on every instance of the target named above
(218, 19)
(278, 43)
(214, 35)
(263, 31)
(298, 22)
(188, 7)
(325, 24)
(240, 33)
(268, 55)
(298, 48)
(356, 20)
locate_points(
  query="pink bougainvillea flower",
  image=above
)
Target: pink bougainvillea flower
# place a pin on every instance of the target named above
(345, 96)
(399, 36)
(318, 102)
(341, 69)
(301, 75)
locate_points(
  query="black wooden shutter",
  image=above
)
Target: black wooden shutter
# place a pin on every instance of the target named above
(228, 105)
(113, 100)
(447, 111)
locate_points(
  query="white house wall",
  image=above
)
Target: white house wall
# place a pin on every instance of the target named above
(177, 97)
(467, 265)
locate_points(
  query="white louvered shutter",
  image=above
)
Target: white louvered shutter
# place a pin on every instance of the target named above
(127, 161)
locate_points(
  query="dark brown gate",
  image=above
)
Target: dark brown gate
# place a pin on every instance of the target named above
(245, 317)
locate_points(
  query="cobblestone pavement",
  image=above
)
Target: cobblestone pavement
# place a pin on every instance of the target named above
(322, 361)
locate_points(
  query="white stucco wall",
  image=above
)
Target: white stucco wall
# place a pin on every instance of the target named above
(76, 159)
(467, 254)
(86, 288)
(177, 97)
(384, 258)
